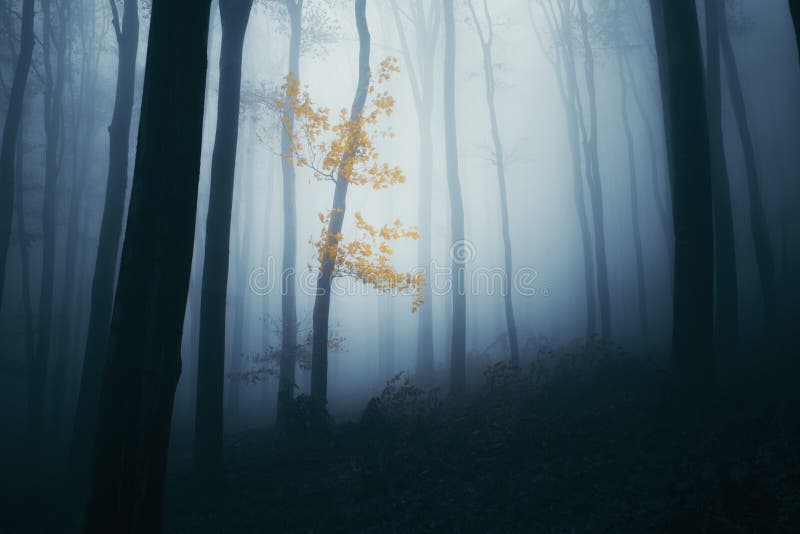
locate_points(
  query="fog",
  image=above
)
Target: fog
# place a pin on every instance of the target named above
(547, 135)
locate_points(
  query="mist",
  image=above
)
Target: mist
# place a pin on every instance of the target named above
(441, 248)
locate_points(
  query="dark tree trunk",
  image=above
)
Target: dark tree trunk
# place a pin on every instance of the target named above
(8, 149)
(458, 251)
(727, 290)
(758, 218)
(641, 286)
(287, 365)
(211, 355)
(144, 361)
(686, 124)
(794, 7)
(110, 232)
(54, 38)
(322, 303)
(24, 255)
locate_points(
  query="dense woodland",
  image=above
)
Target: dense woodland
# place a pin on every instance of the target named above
(399, 265)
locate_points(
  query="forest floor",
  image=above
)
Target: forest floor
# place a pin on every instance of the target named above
(573, 443)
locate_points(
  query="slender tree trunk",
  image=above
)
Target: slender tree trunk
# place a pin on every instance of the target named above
(686, 125)
(511, 324)
(794, 7)
(641, 286)
(758, 218)
(110, 231)
(53, 39)
(83, 125)
(458, 252)
(144, 363)
(727, 290)
(322, 303)
(11, 128)
(573, 110)
(563, 66)
(24, 254)
(287, 364)
(595, 183)
(211, 356)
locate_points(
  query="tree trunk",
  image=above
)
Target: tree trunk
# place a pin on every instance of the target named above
(110, 231)
(686, 125)
(287, 364)
(8, 149)
(458, 252)
(211, 356)
(144, 362)
(794, 7)
(570, 98)
(727, 291)
(24, 255)
(54, 37)
(641, 286)
(322, 303)
(595, 183)
(758, 218)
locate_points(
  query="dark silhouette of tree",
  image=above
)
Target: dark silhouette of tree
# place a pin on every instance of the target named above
(54, 43)
(144, 362)
(11, 128)
(727, 291)
(758, 218)
(322, 303)
(686, 125)
(458, 252)
(127, 37)
(487, 41)
(794, 7)
(211, 351)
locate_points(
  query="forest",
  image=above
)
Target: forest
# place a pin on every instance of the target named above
(399, 266)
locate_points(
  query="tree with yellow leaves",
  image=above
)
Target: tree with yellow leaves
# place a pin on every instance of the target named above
(343, 151)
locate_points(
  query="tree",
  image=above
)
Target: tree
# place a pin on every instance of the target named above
(144, 363)
(632, 175)
(794, 7)
(11, 128)
(420, 76)
(727, 292)
(458, 369)
(344, 152)
(127, 36)
(758, 220)
(564, 66)
(487, 41)
(593, 176)
(211, 354)
(686, 126)
(288, 363)
(53, 40)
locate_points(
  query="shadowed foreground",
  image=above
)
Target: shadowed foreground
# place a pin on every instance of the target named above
(573, 443)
